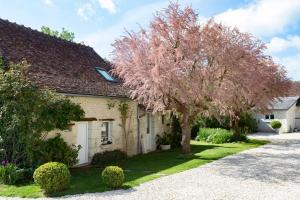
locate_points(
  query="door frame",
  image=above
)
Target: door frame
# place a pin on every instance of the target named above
(87, 141)
(149, 140)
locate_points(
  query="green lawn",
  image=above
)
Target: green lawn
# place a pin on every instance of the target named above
(139, 169)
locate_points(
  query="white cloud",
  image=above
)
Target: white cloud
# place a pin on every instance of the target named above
(85, 11)
(292, 65)
(102, 39)
(109, 5)
(263, 17)
(49, 2)
(278, 44)
(286, 51)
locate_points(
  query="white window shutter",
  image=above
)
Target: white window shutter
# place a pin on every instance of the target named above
(110, 131)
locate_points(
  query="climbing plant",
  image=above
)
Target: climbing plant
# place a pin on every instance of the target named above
(125, 117)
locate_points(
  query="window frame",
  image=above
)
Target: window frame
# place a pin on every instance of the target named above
(148, 123)
(269, 117)
(103, 73)
(107, 139)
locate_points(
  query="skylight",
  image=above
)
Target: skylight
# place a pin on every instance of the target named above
(105, 74)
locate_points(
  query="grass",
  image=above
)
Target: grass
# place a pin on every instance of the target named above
(139, 169)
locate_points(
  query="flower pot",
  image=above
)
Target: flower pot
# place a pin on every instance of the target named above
(165, 147)
(278, 131)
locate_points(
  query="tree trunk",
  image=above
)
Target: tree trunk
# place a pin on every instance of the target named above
(186, 134)
(236, 130)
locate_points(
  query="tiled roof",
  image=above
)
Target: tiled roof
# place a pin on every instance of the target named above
(284, 103)
(63, 66)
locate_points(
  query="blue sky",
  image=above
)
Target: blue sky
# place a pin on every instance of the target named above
(99, 22)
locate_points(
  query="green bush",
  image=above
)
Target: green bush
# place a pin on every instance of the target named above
(217, 135)
(52, 177)
(8, 173)
(27, 111)
(25, 175)
(247, 123)
(163, 140)
(113, 177)
(103, 159)
(221, 136)
(204, 133)
(276, 124)
(57, 150)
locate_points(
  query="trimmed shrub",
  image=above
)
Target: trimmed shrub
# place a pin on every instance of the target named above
(52, 177)
(57, 150)
(108, 158)
(220, 136)
(8, 173)
(113, 177)
(276, 124)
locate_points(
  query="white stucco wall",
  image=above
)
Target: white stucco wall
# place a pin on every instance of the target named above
(97, 107)
(297, 118)
(286, 117)
(291, 115)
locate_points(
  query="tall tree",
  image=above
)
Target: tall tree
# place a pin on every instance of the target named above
(64, 34)
(189, 68)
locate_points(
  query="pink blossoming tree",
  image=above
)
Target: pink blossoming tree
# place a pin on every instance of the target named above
(181, 66)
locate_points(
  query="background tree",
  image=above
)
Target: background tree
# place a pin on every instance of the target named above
(247, 80)
(26, 112)
(64, 34)
(188, 68)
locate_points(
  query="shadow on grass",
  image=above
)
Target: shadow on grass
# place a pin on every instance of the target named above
(146, 167)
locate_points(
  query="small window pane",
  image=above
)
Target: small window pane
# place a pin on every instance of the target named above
(267, 117)
(105, 133)
(105, 74)
(148, 123)
(272, 116)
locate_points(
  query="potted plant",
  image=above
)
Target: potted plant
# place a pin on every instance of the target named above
(163, 142)
(276, 125)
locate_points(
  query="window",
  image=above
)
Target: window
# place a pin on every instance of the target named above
(105, 74)
(271, 116)
(106, 133)
(148, 123)
(163, 119)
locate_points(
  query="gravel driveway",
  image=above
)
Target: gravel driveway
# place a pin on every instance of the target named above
(269, 172)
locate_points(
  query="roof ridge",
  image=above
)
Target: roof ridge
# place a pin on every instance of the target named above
(27, 28)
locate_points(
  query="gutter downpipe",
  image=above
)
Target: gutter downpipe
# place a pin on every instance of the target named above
(139, 146)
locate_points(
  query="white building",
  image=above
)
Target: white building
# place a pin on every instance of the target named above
(286, 110)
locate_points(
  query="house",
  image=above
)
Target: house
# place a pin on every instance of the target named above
(286, 110)
(77, 71)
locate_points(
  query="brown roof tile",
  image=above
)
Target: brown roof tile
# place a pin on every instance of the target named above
(63, 66)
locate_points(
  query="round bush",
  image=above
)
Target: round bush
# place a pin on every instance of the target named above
(113, 176)
(52, 177)
(276, 124)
